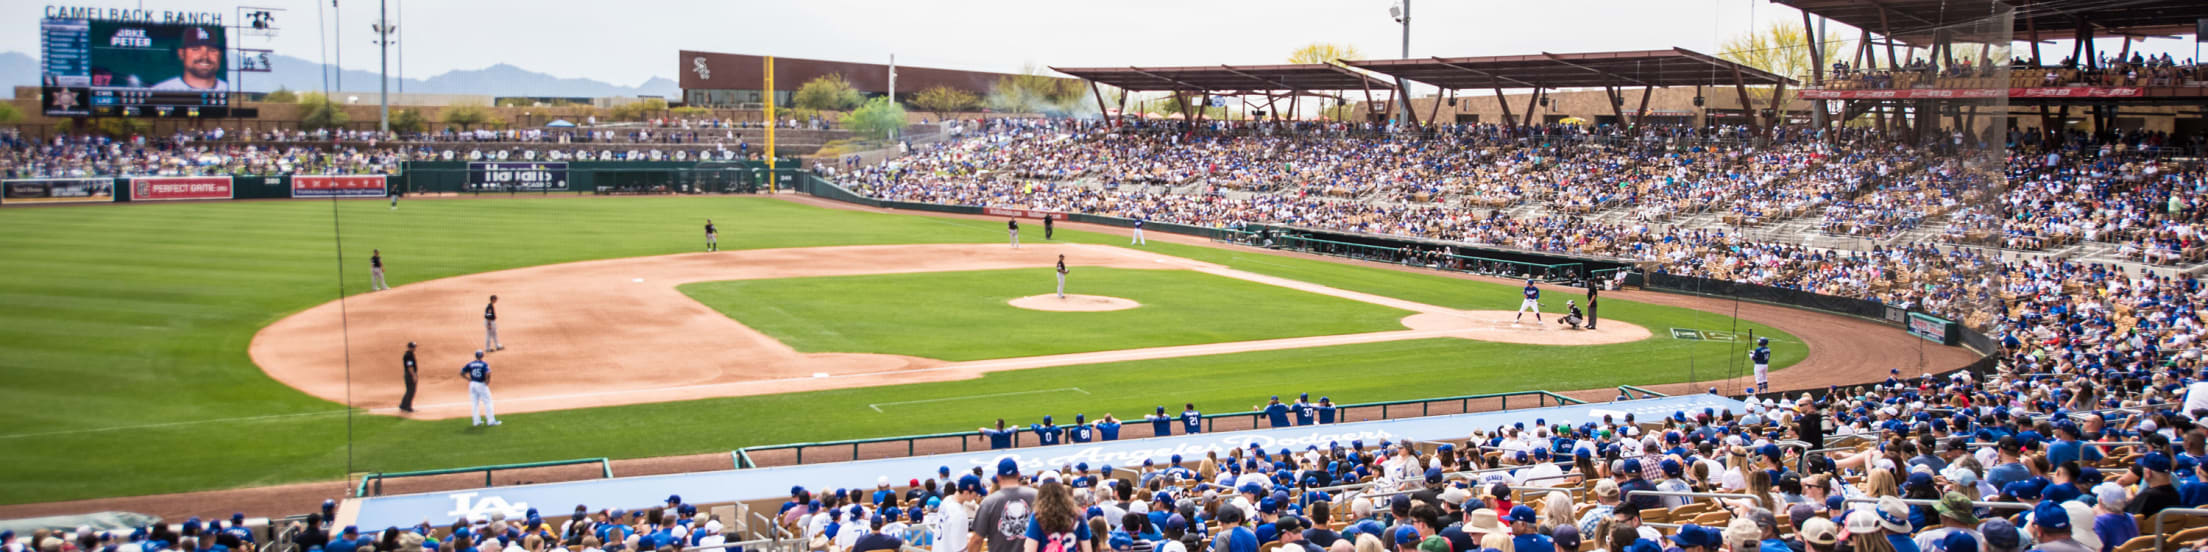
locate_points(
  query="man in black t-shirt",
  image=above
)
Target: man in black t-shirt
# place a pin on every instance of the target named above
(1013, 226)
(712, 237)
(490, 326)
(406, 403)
(1592, 286)
(375, 271)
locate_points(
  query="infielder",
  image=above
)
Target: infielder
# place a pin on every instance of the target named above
(712, 237)
(1138, 234)
(490, 326)
(375, 271)
(479, 391)
(1531, 303)
(1061, 277)
(1013, 225)
(1762, 359)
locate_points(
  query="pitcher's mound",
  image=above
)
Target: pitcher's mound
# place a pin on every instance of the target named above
(1073, 303)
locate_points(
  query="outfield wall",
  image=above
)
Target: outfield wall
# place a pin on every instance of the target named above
(442, 508)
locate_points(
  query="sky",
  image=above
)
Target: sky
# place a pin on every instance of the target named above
(627, 42)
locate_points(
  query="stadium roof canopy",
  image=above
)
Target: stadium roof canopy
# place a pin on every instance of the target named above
(1914, 21)
(1644, 68)
(1222, 78)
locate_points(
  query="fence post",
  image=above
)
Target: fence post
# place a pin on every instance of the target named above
(486, 478)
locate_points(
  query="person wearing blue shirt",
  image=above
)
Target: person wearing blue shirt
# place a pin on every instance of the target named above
(1108, 428)
(1047, 433)
(1275, 413)
(1325, 410)
(2067, 448)
(1306, 414)
(346, 541)
(1528, 538)
(2009, 469)
(1081, 432)
(1192, 422)
(1160, 424)
(999, 438)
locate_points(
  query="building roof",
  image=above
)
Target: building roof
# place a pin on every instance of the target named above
(1218, 78)
(1673, 67)
(1914, 21)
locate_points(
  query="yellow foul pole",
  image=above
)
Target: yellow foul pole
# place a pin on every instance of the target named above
(769, 89)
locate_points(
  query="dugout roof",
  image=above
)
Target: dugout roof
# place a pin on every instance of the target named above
(1312, 76)
(1673, 67)
(1914, 20)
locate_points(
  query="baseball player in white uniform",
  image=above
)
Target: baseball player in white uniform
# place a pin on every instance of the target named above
(1138, 234)
(1532, 302)
(1761, 357)
(1061, 276)
(375, 271)
(479, 391)
(490, 326)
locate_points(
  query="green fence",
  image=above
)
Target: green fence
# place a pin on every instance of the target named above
(970, 440)
(374, 481)
(609, 177)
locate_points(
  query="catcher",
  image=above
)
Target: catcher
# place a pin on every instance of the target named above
(1572, 316)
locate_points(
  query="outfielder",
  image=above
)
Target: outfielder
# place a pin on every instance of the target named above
(1061, 277)
(1531, 303)
(1572, 316)
(490, 326)
(1762, 359)
(1013, 226)
(375, 271)
(479, 391)
(712, 237)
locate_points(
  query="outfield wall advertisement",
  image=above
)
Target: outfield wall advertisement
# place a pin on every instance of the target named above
(164, 188)
(522, 176)
(58, 190)
(349, 185)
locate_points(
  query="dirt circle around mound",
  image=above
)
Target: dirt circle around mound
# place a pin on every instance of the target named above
(1507, 327)
(1073, 303)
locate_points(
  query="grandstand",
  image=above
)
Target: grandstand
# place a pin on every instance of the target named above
(2067, 261)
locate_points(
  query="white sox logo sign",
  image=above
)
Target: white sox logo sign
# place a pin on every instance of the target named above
(697, 65)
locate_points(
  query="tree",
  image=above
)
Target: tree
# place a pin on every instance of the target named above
(515, 102)
(318, 112)
(1778, 48)
(942, 100)
(689, 111)
(829, 92)
(469, 115)
(9, 114)
(409, 121)
(281, 95)
(1033, 92)
(638, 110)
(1324, 52)
(878, 119)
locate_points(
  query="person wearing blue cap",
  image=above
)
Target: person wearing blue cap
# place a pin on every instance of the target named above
(1306, 413)
(954, 515)
(1160, 424)
(1635, 482)
(1001, 520)
(347, 540)
(1275, 413)
(1525, 536)
(1696, 538)
(1047, 433)
(2157, 491)
(2066, 446)
(1081, 431)
(2051, 529)
(1325, 410)
(999, 437)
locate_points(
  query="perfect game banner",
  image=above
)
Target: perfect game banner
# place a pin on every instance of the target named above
(57, 190)
(520, 176)
(164, 188)
(369, 185)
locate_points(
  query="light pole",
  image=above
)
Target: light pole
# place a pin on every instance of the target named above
(383, 30)
(1402, 14)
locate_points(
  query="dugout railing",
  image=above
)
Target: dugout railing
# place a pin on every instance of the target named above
(373, 482)
(912, 445)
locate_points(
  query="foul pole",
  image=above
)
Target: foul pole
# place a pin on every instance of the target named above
(771, 188)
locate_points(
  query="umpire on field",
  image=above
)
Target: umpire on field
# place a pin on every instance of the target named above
(406, 403)
(1594, 286)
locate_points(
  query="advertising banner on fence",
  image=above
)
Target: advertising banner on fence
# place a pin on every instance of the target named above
(503, 176)
(1954, 93)
(1022, 213)
(58, 190)
(344, 185)
(1932, 328)
(161, 188)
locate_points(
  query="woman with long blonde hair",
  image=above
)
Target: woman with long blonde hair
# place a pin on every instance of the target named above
(1881, 484)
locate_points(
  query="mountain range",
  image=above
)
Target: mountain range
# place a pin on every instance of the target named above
(19, 69)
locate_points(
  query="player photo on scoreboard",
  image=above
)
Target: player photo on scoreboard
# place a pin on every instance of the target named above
(180, 58)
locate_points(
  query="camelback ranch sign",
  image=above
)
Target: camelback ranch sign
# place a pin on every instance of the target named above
(517, 176)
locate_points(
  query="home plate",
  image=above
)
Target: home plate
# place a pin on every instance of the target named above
(638, 280)
(820, 374)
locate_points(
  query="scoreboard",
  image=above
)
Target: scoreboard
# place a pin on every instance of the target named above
(105, 68)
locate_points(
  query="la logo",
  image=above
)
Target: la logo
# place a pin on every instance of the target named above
(463, 508)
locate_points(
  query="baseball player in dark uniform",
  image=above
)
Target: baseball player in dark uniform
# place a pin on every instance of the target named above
(406, 403)
(375, 271)
(1061, 276)
(1593, 289)
(1532, 302)
(1762, 359)
(1013, 226)
(1571, 314)
(712, 237)
(1048, 227)
(490, 326)
(479, 391)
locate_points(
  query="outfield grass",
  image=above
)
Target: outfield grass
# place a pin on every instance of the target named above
(964, 316)
(124, 341)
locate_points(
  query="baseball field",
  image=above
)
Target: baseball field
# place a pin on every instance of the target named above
(169, 348)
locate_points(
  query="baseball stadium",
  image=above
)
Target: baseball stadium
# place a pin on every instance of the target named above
(1866, 276)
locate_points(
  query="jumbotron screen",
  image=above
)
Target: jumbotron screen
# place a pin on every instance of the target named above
(133, 69)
